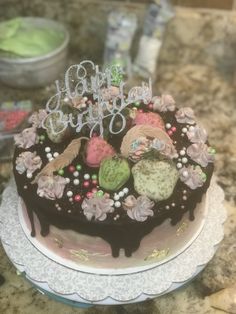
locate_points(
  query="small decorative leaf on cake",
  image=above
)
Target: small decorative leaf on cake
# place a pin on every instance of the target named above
(138, 209)
(63, 160)
(51, 187)
(114, 172)
(55, 128)
(163, 103)
(37, 118)
(192, 176)
(98, 149)
(166, 149)
(26, 138)
(201, 153)
(149, 118)
(138, 148)
(28, 162)
(197, 134)
(185, 115)
(155, 179)
(97, 207)
(139, 131)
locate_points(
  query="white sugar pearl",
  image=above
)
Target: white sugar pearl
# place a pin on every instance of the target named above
(179, 165)
(117, 204)
(29, 175)
(67, 180)
(168, 125)
(185, 174)
(116, 197)
(184, 191)
(69, 193)
(173, 204)
(85, 98)
(184, 130)
(184, 198)
(125, 190)
(121, 193)
(182, 152)
(50, 159)
(56, 154)
(71, 199)
(184, 160)
(86, 176)
(76, 173)
(66, 99)
(191, 128)
(182, 206)
(76, 182)
(49, 155)
(167, 207)
(47, 149)
(176, 155)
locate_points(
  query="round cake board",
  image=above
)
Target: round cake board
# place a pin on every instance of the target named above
(93, 288)
(93, 254)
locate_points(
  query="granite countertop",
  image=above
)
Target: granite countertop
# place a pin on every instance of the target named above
(199, 73)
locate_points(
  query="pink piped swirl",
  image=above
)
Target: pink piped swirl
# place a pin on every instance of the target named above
(200, 153)
(37, 118)
(163, 103)
(26, 138)
(192, 176)
(28, 162)
(197, 134)
(51, 187)
(185, 115)
(97, 207)
(138, 209)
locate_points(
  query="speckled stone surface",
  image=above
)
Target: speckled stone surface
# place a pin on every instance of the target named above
(196, 66)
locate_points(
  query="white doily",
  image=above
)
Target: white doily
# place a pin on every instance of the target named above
(93, 287)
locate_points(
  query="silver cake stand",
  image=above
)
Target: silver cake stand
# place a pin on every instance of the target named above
(79, 288)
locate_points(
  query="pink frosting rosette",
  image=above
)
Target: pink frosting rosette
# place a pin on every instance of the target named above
(51, 187)
(185, 115)
(163, 103)
(98, 149)
(197, 134)
(97, 207)
(192, 176)
(37, 118)
(138, 209)
(109, 93)
(28, 162)
(26, 138)
(201, 153)
(149, 118)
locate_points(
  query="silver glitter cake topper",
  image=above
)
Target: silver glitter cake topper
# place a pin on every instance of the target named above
(85, 79)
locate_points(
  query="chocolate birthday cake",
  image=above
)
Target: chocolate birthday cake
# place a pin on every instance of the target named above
(109, 163)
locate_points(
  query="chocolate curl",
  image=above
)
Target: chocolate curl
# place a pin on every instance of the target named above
(63, 160)
(139, 131)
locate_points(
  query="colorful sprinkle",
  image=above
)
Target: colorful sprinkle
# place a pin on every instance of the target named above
(78, 167)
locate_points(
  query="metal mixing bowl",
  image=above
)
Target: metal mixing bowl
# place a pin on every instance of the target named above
(37, 71)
